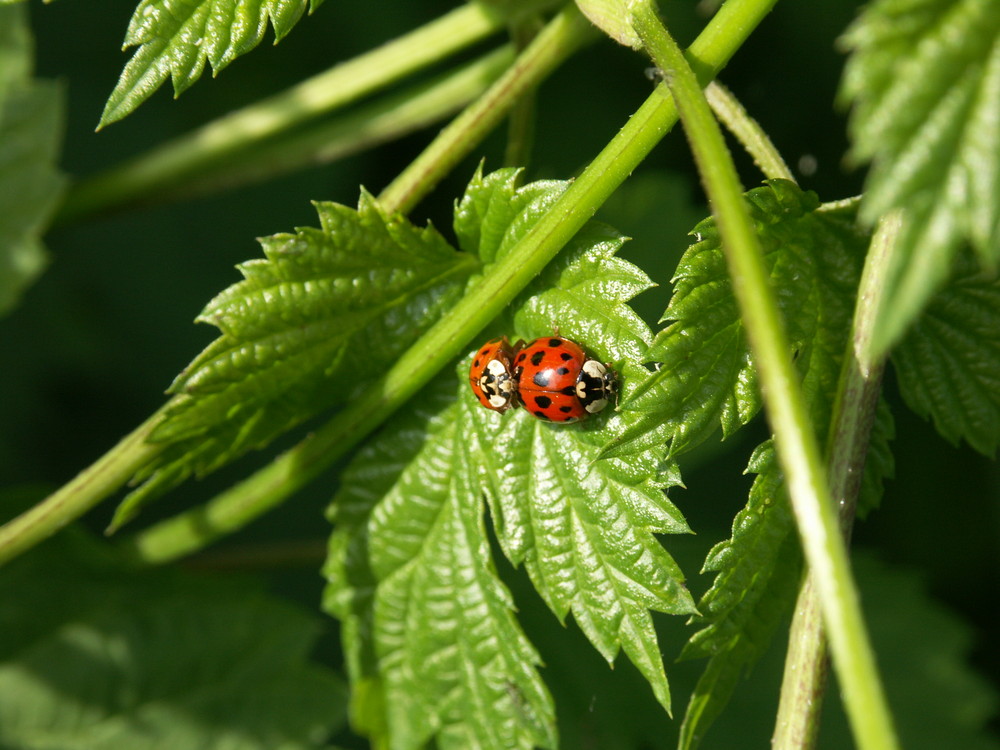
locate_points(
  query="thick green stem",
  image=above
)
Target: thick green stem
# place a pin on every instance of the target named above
(170, 165)
(81, 494)
(273, 484)
(797, 447)
(850, 431)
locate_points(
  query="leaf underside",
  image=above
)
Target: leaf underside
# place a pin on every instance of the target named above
(949, 363)
(409, 559)
(323, 305)
(30, 135)
(175, 38)
(923, 79)
(98, 656)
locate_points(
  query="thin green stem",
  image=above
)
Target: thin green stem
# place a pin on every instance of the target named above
(747, 131)
(271, 485)
(521, 122)
(560, 38)
(384, 120)
(172, 164)
(797, 447)
(850, 432)
(81, 494)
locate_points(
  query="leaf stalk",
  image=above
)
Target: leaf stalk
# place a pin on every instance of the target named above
(795, 440)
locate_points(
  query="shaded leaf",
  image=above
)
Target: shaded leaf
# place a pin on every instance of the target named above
(30, 136)
(924, 82)
(97, 655)
(949, 363)
(925, 654)
(815, 259)
(324, 304)
(176, 37)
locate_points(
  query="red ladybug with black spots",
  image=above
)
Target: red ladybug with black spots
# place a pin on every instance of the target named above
(492, 375)
(558, 382)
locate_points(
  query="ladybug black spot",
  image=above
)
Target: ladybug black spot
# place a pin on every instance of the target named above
(563, 370)
(542, 378)
(554, 343)
(541, 415)
(543, 402)
(565, 409)
(537, 357)
(565, 356)
(476, 363)
(569, 390)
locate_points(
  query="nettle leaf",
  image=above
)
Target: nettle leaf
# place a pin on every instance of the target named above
(707, 380)
(428, 626)
(98, 656)
(923, 78)
(949, 363)
(324, 304)
(409, 559)
(176, 37)
(30, 136)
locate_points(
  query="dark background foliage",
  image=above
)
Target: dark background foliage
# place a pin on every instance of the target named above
(89, 352)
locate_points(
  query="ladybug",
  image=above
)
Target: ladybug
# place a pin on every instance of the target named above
(492, 375)
(558, 382)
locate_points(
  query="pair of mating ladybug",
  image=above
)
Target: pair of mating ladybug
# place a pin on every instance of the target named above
(553, 378)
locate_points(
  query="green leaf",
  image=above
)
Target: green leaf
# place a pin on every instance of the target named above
(176, 37)
(923, 78)
(323, 305)
(428, 627)
(705, 377)
(409, 560)
(30, 136)
(97, 655)
(949, 363)
(815, 259)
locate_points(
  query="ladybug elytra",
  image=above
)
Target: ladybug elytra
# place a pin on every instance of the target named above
(558, 382)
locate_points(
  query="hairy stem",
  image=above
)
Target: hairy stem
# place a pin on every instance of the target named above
(172, 164)
(271, 485)
(560, 38)
(747, 131)
(795, 440)
(850, 430)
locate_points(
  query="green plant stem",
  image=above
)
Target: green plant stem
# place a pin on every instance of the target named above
(561, 37)
(379, 122)
(78, 496)
(797, 447)
(747, 131)
(850, 431)
(521, 122)
(173, 163)
(271, 485)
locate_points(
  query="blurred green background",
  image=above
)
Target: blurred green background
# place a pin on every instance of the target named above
(87, 355)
